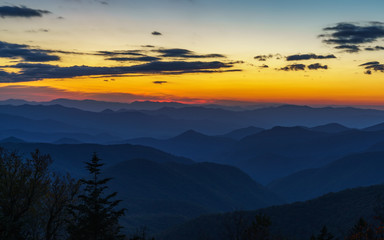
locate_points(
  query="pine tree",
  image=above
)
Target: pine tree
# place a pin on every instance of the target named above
(95, 217)
(361, 231)
(324, 234)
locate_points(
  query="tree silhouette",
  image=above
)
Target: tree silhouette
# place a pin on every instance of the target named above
(33, 200)
(23, 185)
(259, 228)
(361, 231)
(323, 235)
(95, 217)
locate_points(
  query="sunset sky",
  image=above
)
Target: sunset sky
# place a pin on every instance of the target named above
(194, 51)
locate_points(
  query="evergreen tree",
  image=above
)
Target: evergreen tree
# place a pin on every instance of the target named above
(361, 231)
(95, 217)
(323, 235)
(259, 228)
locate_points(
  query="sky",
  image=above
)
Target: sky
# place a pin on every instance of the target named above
(194, 51)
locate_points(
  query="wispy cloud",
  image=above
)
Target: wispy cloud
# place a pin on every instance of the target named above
(159, 82)
(31, 63)
(351, 36)
(134, 59)
(373, 66)
(376, 48)
(263, 58)
(25, 52)
(317, 66)
(34, 72)
(184, 53)
(293, 67)
(21, 12)
(299, 57)
(302, 67)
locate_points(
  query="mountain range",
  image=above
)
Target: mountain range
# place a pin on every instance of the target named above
(173, 162)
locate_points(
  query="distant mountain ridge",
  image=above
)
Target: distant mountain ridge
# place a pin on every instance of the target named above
(281, 151)
(238, 134)
(331, 128)
(98, 106)
(351, 171)
(191, 144)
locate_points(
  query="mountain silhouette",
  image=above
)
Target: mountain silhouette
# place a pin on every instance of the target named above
(191, 144)
(331, 128)
(12, 140)
(242, 132)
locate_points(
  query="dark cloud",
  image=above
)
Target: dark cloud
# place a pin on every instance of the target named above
(31, 67)
(38, 30)
(302, 67)
(263, 58)
(264, 66)
(293, 67)
(22, 11)
(25, 52)
(137, 59)
(352, 34)
(184, 53)
(237, 62)
(33, 72)
(299, 57)
(377, 48)
(159, 82)
(120, 52)
(316, 66)
(156, 33)
(154, 54)
(369, 63)
(349, 48)
(372, 66)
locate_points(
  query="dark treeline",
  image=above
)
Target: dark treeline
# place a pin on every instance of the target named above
(239, 227)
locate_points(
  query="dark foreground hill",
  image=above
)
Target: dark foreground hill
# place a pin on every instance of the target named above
(338, 211)
(356, 170)
(160, 195)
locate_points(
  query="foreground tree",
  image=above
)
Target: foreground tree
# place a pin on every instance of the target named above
(33, 200)
(238, 226)
(259, 228)
(23, 183)
(95, 217)
(361, 231)
(323, 235)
